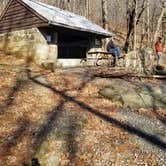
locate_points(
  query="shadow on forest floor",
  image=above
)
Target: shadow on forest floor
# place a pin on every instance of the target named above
(130, 129)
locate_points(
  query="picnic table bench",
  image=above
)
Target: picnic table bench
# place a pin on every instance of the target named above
(101, 55)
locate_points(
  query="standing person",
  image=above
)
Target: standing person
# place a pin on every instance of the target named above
(159, 50)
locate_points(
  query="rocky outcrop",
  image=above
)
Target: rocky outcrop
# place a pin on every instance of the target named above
(136, 96)
(142, 60)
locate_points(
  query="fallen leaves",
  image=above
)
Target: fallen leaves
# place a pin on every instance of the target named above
(74, 136)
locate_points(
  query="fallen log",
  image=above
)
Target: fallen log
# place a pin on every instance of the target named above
(115, 73)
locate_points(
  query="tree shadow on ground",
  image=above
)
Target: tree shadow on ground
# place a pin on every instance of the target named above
(37, 136)
(15, 138)
(154, 98)
(51, 123)
(71, 144)
(11, 97)
(46, 128)
(153, 139)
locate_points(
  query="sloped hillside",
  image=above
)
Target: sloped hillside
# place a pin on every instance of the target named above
(60, 118)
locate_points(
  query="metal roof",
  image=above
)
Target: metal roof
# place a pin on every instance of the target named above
(62, 18)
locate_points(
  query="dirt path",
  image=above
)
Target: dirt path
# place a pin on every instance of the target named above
(61, 119)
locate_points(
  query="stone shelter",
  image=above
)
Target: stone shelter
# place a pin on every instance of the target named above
(47, 33)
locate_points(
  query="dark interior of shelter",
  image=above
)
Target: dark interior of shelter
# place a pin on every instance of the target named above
(72, 47)
(72, 44)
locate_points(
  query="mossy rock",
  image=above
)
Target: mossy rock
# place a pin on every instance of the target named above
(144, 96)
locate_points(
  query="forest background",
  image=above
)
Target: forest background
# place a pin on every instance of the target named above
(137, 23)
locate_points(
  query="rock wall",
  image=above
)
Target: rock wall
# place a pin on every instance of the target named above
(28, 43)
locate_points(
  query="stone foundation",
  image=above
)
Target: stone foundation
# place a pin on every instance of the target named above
(28, 43)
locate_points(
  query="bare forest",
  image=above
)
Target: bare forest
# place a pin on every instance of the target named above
(101, 110)
(137, 23)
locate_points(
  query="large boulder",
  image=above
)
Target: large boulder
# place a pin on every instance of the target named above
(136, 96)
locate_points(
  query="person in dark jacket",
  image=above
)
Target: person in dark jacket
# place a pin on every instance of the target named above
(113, 48)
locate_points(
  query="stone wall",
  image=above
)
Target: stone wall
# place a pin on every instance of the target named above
(32, 43)
(28, 43)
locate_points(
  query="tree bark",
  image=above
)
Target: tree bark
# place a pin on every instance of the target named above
(135, 28)
(133, 18)
(148, 22)
(105, 14)
(105, 20)
(159, 22)
(130, 22)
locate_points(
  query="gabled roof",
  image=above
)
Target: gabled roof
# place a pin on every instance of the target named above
(59, 17)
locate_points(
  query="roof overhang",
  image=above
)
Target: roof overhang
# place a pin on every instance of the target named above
(69, 29)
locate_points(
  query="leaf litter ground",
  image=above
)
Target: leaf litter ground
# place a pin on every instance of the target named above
(61, 119)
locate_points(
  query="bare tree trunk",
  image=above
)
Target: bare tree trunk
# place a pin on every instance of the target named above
(130, 22)
(105, 20)
(88, 8)
(164, 30)
(159, 22)
(105, 13)
(135, 28)
(142, 32)
(133, 18)
(148, 22)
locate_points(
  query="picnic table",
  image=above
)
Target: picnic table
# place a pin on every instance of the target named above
(101, 55)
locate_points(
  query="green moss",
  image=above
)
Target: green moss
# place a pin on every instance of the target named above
(136, 97)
